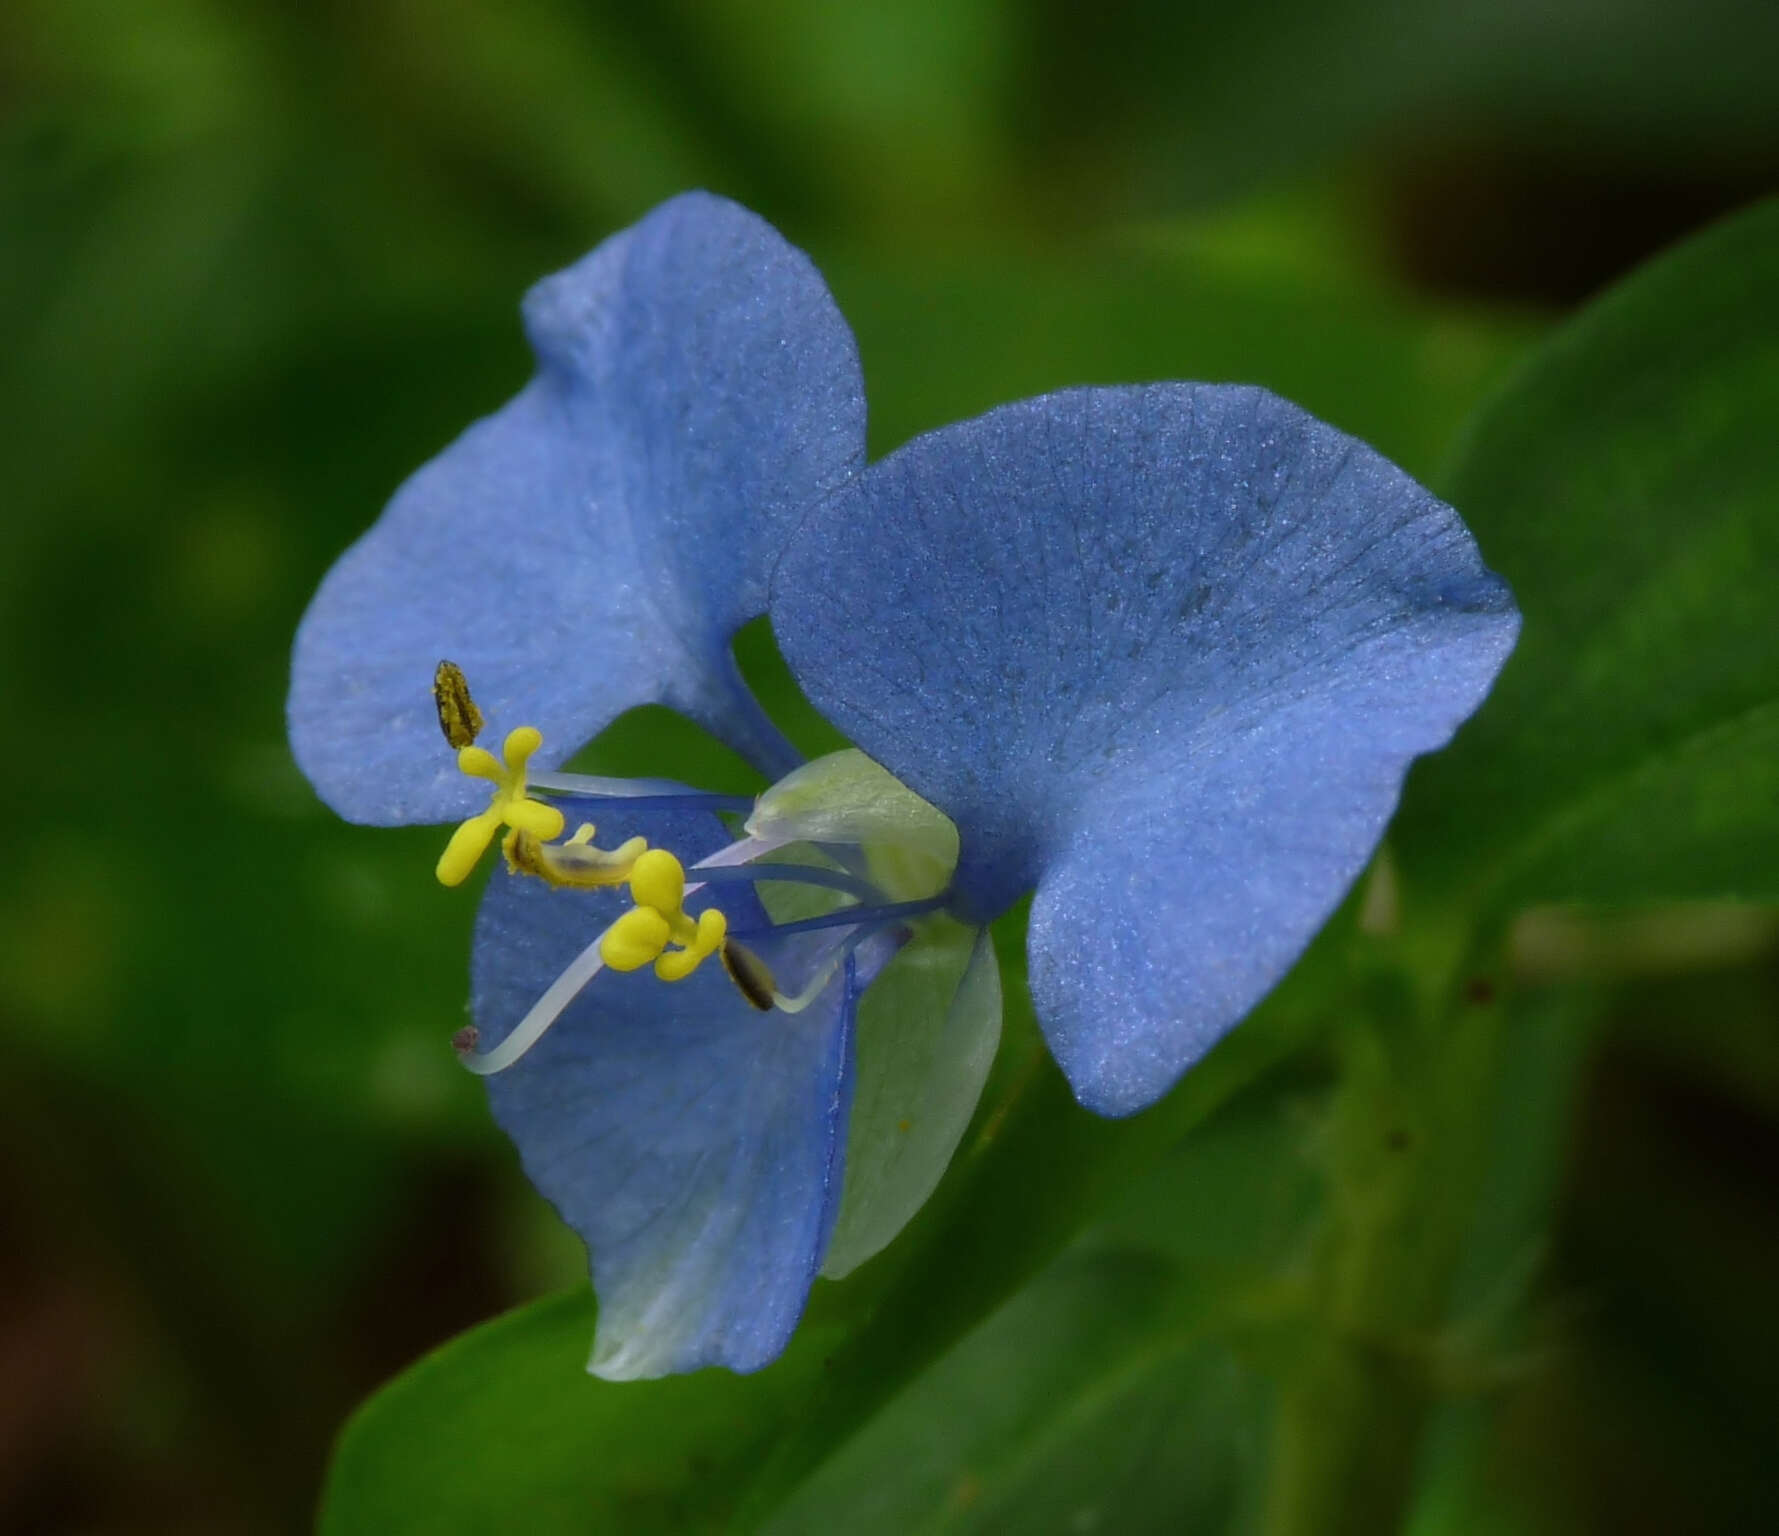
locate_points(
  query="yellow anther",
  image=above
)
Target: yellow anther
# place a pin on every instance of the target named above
(510, 806)
(635, 939)
(659, 881)
(704, 941)
(658, 884)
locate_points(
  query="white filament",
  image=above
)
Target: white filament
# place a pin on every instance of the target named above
(591, 786)
(589, 963)
(544, 1012)
(796, 1002)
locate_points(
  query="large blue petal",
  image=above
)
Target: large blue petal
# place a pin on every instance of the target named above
(694, 1143)
(594, 544)
(1163, 653)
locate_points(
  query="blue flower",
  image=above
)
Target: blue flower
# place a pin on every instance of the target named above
(1159, 655)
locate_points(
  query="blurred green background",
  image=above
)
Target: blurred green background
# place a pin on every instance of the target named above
(262, 259)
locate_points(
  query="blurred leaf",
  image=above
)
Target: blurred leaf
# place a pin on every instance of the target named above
(1627, 485)
(1193, 102)
(1126, 1388)
(1092, 1400)
(503, 1430)
(958, 335)
(898, 111)
(1700, 822)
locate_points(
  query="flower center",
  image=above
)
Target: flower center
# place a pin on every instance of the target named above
(658, 886)
(858, 856)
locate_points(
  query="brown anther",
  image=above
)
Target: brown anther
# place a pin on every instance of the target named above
(749, 973)
(459, 718)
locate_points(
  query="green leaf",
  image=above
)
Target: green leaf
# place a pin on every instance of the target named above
(503, 1430)
(1698, 823)
(1031, 1417)
(1126, 1387)
(1627, 485)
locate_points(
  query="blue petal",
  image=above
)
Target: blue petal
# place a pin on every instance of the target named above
(694, 1143)
(1163, 653)
(595, 544)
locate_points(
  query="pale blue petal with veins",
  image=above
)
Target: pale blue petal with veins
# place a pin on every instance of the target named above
(596, 543)
(1163, 654)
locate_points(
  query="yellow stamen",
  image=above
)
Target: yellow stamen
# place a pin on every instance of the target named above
(576, 864)
(510, 806)
(656, 878)
(634, 939)
(658, 885)
(703, 942)
(659, 881)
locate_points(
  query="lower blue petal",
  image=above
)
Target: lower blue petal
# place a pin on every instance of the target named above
(694, 1143)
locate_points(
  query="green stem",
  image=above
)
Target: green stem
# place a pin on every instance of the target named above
(1411, 1140)
(1541, 1070)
